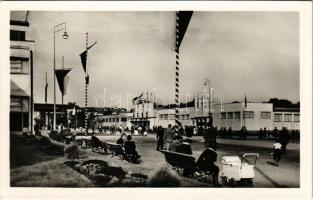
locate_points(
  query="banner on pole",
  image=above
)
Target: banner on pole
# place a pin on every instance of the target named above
(60, 75)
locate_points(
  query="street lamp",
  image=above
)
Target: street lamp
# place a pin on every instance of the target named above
(65, 36)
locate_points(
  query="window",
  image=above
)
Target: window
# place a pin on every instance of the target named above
(287, 117)
(248, 114)
(123, 119)
(141, 114)
(229, 115)
(223, 115)
(137, 115)
(147, 114)
(109, 119)
(236, 115)
(187, 117)
(117, 119)
(16, 104)
(296, 117)
(171, 116)
(19, 65)
(277, 117)
(265, 115)
(17, 35)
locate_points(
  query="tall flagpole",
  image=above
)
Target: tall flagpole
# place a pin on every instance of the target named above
(177, 74)
(86, 89)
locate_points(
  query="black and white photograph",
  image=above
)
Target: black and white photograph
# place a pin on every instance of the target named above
(182, 98)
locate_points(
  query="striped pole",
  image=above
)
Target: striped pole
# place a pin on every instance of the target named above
(86, 90)
(177, 74)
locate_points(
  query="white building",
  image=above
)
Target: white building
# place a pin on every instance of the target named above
(287, 117)
(235, 115)
(116, 120)
(21, 70)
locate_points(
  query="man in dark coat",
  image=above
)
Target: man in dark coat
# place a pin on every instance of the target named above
(209, 136)
(160, 138)
(284, 139)
(206, 161)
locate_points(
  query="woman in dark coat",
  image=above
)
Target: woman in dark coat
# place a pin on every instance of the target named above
(130, 149)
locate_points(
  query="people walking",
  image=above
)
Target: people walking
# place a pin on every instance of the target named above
(160, 138)
(277, 152)
(284, 139)
(169, 136)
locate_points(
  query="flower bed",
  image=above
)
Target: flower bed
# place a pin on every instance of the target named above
(105, 174)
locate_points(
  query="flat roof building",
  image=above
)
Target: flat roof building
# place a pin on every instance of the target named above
(21, 77)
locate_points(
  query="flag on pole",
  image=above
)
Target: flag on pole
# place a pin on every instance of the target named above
(61, 74)
(83, 57)
(184, 19)
(168, 29)
(136, 98)
(246, 102)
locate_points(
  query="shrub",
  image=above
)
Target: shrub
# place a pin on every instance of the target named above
(71, 151)
(44, 141)
(95, 161)
(164, 177)
(113, 171)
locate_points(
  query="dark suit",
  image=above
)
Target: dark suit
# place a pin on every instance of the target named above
(160, 138)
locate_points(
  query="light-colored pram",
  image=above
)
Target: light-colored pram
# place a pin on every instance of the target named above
(235, 170)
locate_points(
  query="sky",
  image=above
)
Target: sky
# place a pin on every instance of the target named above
(252, 53)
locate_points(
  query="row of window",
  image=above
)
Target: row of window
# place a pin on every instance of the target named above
(123, 119)
(246, 115)
(142, 115)
(279, 117)
(172, 116)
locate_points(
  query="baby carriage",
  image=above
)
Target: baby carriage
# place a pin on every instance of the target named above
(235, 171)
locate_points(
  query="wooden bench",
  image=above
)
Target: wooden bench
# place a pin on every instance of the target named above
(180, 162)
(116, 150)
(89, 144)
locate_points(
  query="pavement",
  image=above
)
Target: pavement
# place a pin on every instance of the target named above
(267, 175)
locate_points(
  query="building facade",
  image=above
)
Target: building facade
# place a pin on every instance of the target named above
(235, 115)
(116, 120)
(21, 77)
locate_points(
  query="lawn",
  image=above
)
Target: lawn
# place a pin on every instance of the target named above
(30, 167)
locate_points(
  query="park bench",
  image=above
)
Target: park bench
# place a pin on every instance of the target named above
(116, 150)
(180, 162)
(94, 146)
